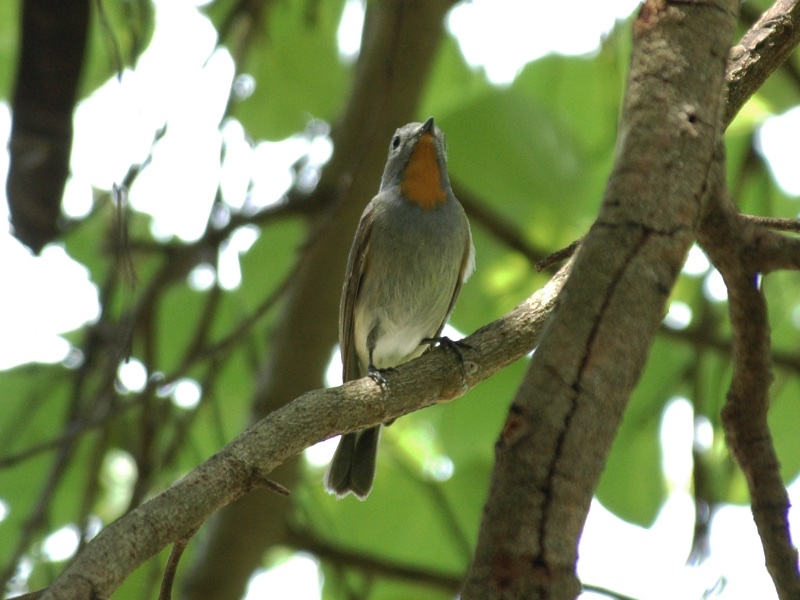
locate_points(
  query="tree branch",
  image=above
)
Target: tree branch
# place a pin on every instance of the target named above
(561, 424)
(353, 559)
(775, 223)
(701, 339)
(765, 250)
(736, 247)
(764, 48)
(245, 463)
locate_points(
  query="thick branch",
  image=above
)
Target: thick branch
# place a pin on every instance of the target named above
(560, 427)
(246, 462)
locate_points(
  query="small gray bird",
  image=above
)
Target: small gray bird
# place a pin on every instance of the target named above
(412, 251)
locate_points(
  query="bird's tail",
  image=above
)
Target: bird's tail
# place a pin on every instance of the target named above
(353, 466)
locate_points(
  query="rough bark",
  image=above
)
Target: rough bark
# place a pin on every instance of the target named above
(561, 424)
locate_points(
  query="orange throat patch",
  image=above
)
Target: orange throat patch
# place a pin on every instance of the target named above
(422, 183)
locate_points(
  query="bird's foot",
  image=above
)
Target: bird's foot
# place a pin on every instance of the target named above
(457, 347)
(376, 375)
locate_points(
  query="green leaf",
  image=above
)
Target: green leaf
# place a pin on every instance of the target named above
(35, 401)
(452, 82)
(10, 17)
(518, 148)
(146, 580)
(632, 486)
(784, 415)
(270, 260)
(296, 67)
(180, 317)
(119, 32)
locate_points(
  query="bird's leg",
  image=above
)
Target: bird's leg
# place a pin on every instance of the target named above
(376, 374)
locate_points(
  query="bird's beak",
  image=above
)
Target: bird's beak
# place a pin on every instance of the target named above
(427, 127)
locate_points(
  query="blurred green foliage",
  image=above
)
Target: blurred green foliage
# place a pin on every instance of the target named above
(536, 152)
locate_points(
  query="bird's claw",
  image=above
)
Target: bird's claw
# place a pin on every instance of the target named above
(455, 346)
(376, 375)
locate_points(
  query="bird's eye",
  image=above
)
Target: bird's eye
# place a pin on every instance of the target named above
(395, 142)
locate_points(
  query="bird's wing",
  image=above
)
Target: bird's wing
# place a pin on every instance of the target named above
(356, 264)
(467, 266)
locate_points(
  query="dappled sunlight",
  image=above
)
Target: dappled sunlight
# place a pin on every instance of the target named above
(169, 124)
(714, 287)
(503, 46)
(679, 315)
(300, 568)
(778, 140)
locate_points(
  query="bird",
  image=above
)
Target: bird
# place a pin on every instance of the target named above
(411, 253)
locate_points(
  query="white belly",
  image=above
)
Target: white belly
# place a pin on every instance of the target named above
(399, 334)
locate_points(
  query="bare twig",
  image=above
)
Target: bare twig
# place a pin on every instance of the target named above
(369, 563)
(784, 360)
(766, 250)
(775, 223)
(732, 243)
(165, 593)
(764, 48)
(558, 256)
